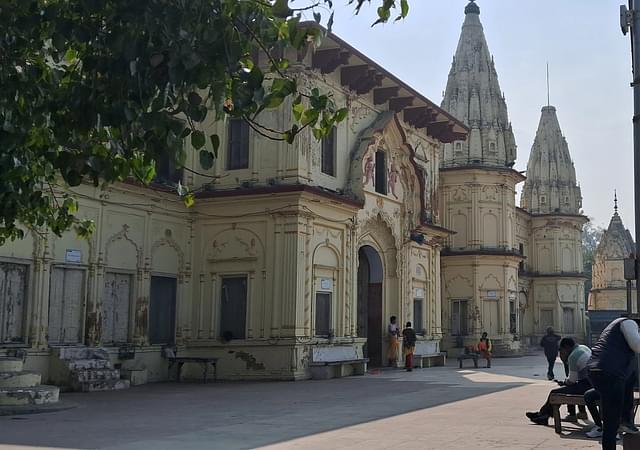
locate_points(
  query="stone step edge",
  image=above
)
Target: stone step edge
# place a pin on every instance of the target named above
(61, 405)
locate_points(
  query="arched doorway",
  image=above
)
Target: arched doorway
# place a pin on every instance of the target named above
(370, 288)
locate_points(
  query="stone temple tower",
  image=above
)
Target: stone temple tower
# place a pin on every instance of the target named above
(608, 290)
(552, 274)
(477, 188)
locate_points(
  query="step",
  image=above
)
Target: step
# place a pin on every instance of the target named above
(38, 395)
(8, 364)
(24, 378)
(97, 386)
(74, 353)
(86, 364)
(95, 375)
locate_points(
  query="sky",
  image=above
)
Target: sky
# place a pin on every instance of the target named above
(589, 65)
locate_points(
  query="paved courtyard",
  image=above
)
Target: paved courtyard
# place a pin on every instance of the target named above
(438, 408)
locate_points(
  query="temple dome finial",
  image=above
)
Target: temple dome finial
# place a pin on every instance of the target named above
(615, 202)
(472, 8)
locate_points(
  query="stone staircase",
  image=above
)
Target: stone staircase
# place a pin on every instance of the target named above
(22, 389)
(89, 370)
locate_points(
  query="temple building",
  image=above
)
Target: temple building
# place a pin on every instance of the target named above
(508, 271)
(609, 287)
(293, 258)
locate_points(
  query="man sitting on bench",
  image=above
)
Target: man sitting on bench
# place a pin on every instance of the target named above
(577, 357)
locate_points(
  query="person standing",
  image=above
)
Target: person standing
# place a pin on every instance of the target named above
(611, 365)
(409, 339)
(485, 347)
(392, 333)
(549, 343)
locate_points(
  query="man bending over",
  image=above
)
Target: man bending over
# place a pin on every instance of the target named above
(577, 356)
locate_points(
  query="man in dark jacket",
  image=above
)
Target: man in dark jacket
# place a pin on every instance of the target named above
(611, 365)
(550, 344)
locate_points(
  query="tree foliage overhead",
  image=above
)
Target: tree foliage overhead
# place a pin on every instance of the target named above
(591, 236)
(100, 90)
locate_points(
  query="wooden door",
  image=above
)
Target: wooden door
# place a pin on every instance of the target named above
(13, 288)
(66, 306)
(490, 316)
(162, 310)
(115, 308)
(375, 325)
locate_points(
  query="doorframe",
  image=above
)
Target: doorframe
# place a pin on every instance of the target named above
(383, 296)
(177, 299)
(85, 291)
(217, 304)
(28, 307)
(132, 297)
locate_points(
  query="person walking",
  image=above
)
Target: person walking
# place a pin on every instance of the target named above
(485, 347)
(409, 339)
(392, 334)
(611, 365)
(549, 343)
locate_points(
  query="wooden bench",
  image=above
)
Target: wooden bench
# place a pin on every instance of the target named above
(473, 356)
(336, 361)
(557, 400)
(169, 354)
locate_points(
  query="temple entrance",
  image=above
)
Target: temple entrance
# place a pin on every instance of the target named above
(370, 320)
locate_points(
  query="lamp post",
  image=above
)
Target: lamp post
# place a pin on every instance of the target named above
(630, 20)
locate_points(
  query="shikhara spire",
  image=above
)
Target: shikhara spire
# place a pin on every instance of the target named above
(473, 95)
(551, 185)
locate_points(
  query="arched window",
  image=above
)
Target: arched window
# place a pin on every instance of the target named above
(381, 172)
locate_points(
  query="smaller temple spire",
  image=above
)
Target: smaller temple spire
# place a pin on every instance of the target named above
(615, 202)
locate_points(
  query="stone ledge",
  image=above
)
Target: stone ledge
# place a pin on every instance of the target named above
(36, 409)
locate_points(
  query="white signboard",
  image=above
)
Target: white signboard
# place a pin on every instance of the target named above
(72, 256)
(419, 293)
(492, 294)
(326, 284)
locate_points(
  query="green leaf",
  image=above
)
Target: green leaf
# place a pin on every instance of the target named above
(404, 7)
(215, 143)
(207, 159)
(197, 139)
(189, 200)
(341, 114)
(298, 109)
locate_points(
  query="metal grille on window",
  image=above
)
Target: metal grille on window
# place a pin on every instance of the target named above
(162, 310)
(328, 153)
(418, 324)
(323, 313)
(238, 148)
(381, 172)
(233, 314)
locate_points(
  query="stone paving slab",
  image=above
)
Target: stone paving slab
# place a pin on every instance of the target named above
(437, 408)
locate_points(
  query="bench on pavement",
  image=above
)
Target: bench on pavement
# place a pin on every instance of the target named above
(473, 356)
(170, 354)
(557, 400)
(336, 361)
(427, 354)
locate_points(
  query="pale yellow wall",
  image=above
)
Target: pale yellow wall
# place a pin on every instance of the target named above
(480, 206)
